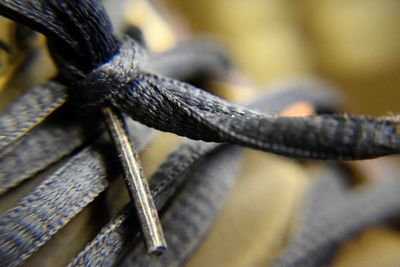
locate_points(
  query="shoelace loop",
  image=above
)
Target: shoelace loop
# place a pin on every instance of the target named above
(98, 87)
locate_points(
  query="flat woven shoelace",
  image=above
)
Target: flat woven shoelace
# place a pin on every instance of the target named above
(28, 111)
(54, 202)
(333, 213)
(101, 70)
(96, 69)
(194, 208)
(60, 135)
(51, 141)
(116, 238)
(75, 174)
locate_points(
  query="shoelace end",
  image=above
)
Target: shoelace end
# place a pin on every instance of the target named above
(136, 184)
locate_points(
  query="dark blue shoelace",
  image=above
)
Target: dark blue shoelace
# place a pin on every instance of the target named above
(101, 70)
(333, 212)
(180, 166)
(97, 69)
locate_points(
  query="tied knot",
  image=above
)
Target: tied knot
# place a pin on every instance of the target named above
(98, 87)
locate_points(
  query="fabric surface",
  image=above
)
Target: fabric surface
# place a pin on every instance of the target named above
(110, 75)
(109, 244)
(117, 75)
(324, 226)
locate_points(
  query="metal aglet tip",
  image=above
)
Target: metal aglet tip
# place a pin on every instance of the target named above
(136, 184)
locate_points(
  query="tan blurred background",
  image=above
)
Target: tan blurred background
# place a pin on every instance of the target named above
(354, 44)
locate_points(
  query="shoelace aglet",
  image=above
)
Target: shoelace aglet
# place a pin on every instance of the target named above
(136, 184)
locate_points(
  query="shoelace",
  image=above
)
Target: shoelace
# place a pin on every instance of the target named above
(51, 141)
(111, 76)
(347, 137)
(333, 212)
(115, 238)
(37, 104)
(94, 180)
(87, 51)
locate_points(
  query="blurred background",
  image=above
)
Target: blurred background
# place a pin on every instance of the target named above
(353, 44)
